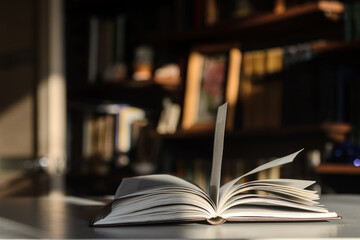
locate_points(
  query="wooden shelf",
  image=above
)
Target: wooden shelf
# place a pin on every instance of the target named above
(309, 18)
(337, 168)
(336, 46)
(345, 51)
(257, 143)
(139, 93)
(126, 84)
(332, 130)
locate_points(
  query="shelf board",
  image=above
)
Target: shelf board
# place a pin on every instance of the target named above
(331, 130)
(339, 50)
(337, 168)
(125, 84)
(138, 93)
(309, 18)
(335, 46)
(257, 142)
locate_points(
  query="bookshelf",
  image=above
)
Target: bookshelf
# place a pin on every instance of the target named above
(327, 129)
(319, 24)
(246, 143)
(143, 93)
(337, 47)
(337, 169)
(332, 177)
(302, 19)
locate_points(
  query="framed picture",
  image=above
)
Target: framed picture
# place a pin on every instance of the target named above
(213, 77)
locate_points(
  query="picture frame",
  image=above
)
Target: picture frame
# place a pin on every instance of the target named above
(213, 77)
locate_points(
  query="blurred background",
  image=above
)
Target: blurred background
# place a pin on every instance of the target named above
(95, 91)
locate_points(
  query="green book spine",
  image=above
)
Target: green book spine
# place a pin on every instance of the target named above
(356, 14)
(348, 20)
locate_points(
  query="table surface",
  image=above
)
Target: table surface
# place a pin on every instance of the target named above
(69, 217)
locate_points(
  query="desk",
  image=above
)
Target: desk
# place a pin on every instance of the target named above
(68, 217)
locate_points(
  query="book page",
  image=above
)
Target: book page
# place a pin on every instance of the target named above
(180, 199)
(296, 187)
(218, 153)
(140, 184)
(162, 206)
(268, 214)
(156, 198)
(297, 183)
(225, 189)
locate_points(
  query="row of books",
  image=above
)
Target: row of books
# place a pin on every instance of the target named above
(106, 134)
(108, 60)
(352, 19)
(293, 85)
(107, 49)
(108, 57)
(112, 135)
(111, 37)
(261, 99)
(190, 14)
(109, 133)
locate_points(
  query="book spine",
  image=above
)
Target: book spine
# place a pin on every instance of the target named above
(93, 50)
(120, 36)
(356, 16)
(106, 46)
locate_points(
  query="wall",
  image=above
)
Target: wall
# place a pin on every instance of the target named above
(17, 78)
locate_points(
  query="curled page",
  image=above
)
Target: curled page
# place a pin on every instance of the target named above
(218, 153)
(280, 161)
(139, 184)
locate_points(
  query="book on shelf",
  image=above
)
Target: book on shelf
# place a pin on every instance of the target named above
(106, 55)
(98, 136)
(351, 19)
(129, 120)
(163, 198)
(93, 50)
(316, 91)
(205, 90)
(107, 133)
(262, 88)
(169, 118)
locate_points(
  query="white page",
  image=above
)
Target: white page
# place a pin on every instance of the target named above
(235, 200)
(136, 185)
(293, 189)
(158, 214)
(290, 196)
(218, 153)
(297, 183)
(151, 201)
(289, 158)
(168, 215)
(268, 202)
(275, 185)
(236, 214)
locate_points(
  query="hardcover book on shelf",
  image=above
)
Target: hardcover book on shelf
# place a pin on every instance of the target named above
(213, 76)
(164, 198)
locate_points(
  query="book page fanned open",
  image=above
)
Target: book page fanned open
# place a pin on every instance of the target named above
(163, 198)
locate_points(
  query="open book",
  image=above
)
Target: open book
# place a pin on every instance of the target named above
(165, 198)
